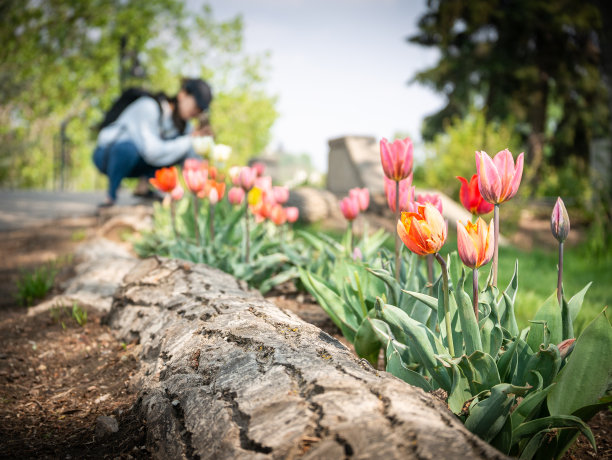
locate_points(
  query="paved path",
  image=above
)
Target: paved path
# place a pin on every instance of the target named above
(29, 208)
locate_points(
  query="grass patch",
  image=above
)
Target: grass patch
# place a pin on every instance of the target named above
(36, 284)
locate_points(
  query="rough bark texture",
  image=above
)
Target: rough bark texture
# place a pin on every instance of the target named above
(227, 375)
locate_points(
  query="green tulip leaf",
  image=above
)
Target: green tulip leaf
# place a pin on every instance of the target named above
(550, 313)
(397, 367)
(533, 427)
(367, 343)
(586, 376)
(469, 325)
(575, 303)
(480, 370)
(530, 406)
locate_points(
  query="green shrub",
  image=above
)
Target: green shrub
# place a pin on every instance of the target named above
(35, 285)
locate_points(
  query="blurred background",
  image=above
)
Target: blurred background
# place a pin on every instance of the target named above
(291, 75)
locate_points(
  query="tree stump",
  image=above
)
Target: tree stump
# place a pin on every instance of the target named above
(227, 375)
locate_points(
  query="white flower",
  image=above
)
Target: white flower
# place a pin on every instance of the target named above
(203, 144)
(221, 153)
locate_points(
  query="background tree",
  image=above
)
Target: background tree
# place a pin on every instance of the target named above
(534, 60)
(63, 62)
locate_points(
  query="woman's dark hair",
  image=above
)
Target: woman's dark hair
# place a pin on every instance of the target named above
(202, 94)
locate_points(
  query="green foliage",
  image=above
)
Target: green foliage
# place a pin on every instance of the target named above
(60, 313)
(36, 284)
(62, 62)
(451, 153)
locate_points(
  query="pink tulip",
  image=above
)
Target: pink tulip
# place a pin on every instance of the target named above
(259, 168)
(264, 183)
(357, 254)
(235, 196)
(247, 178)
(349, 208)
(406, 195)
(281, 194)
(498, 178)
(195, 176)
(559, 221)
(177, 193)
(396, 158)
(192, 163)
(432, 198)
(292, 214)
(362, 195)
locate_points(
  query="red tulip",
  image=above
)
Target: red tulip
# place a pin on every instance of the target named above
(396, 158)
(423, 232)
(406, 195)
(292, 214)
(475, 243)
(362, 195)
(165, 179)
(471, 198)
(349, 208)
(498, 178)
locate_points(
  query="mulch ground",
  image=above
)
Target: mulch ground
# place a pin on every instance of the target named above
(57, 378)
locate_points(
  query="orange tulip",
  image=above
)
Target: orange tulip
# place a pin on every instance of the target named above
(475, 243)
(165, 179)
(423, 232)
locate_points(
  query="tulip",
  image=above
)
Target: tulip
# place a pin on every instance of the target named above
(281, 194)
(264, 183)
(235, 196)
(165, 179)
(277, 214)
(357, 255)
(475, 245)
(498, 178)
(349, 208)
(221, 153)
(565, 347)
(559, 221)
(396, 158)
(560, 226)
(177, 193)
(259, 168)
(195, 177)
(471, 198)
(498, 181)
(247, 178)
(234, 175)
(362, 196)
(202, 144)
(292, 214)
(432, 198)
(424, 232)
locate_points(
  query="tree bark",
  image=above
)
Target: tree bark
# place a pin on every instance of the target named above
(227, 375)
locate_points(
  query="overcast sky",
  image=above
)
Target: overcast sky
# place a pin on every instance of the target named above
(338, 67)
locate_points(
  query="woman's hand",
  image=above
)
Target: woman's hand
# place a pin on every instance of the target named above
(203, 131)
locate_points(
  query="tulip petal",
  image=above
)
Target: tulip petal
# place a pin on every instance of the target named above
(465, 246)
(489, 180)
(518, 175)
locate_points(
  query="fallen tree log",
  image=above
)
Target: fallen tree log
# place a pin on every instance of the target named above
(227, 375)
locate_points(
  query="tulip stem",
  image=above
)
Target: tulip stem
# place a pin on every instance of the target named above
(195, 220)
(173, 218)
(247, 236)
(397, 238)
(560, 276)
(447, 319)
(430, 275)
(495, 242)
(350, 224)
(475, 291)
(211, 221)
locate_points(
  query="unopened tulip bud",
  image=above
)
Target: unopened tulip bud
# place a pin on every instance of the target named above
(559, 221)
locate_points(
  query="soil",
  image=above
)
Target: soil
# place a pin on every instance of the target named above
(57, 377)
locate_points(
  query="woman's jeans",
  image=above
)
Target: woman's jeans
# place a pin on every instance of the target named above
(118, 161)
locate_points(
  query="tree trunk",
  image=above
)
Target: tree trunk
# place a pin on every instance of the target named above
(227, 375)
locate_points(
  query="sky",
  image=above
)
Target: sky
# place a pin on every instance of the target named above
(338, 67)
